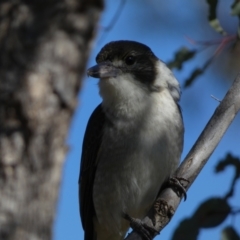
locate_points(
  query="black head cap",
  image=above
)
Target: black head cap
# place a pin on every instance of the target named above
(118, 49)
(138, 59)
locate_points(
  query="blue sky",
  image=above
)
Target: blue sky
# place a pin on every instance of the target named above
(163, 27)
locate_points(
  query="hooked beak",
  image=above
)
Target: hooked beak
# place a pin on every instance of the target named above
(103, 70)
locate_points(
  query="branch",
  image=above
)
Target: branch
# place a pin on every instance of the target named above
(168, 201)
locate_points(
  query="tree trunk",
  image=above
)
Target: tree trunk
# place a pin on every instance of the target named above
(44, 45)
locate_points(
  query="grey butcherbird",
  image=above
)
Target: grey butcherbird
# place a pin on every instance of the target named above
(133, 140)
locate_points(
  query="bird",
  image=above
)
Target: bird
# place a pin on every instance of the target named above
(133, 140)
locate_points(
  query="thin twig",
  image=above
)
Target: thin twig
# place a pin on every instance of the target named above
(113, 21)
(215, 98)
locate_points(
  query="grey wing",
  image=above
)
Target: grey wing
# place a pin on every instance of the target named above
(91, 144)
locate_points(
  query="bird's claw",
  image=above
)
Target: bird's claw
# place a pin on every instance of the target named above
(176, 182)
(146, 231)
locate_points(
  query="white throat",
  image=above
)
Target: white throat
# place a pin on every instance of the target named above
(125, 97)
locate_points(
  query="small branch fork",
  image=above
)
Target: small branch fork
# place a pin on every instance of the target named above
(168, 201)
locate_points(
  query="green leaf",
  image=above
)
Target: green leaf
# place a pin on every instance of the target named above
(212, 17)
(187, 230)
(230, 160)
(197, 72)
(181, 56)
(212, 212)
(229, 233)
(235, 8)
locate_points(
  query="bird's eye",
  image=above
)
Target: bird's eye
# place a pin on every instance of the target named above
(130, 60)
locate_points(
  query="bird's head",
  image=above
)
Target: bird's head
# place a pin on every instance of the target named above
(129, 71)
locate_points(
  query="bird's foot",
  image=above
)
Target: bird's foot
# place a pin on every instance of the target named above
(146, 231)
(179, 187)
(162, 209)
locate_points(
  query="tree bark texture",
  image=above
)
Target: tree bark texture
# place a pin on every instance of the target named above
(44, 45)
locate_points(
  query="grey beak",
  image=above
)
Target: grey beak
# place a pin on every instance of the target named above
(103, 70)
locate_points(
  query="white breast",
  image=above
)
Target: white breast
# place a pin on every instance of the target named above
(140, 149)
(134, 160)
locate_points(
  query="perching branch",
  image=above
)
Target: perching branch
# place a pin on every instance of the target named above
(168, 201)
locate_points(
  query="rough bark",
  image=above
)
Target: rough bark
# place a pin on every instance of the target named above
(168, 201)
(44, 45)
